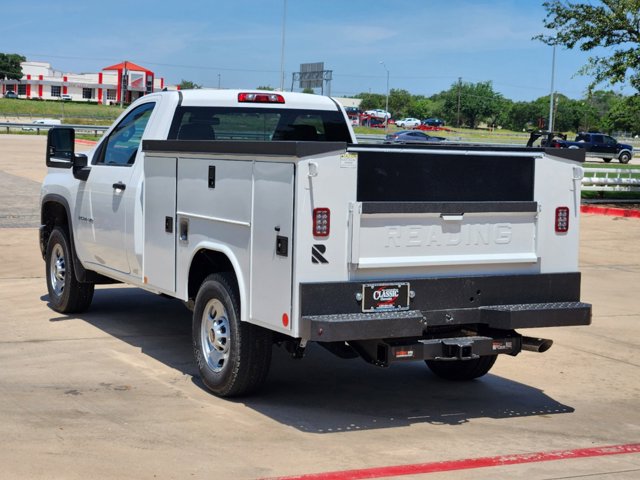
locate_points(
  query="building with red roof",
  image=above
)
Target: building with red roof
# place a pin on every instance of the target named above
(123, 82)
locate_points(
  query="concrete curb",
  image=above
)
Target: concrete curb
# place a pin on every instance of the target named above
(613, 212)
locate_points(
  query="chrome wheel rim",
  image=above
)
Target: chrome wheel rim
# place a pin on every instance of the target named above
(215, 335)
(57, 269)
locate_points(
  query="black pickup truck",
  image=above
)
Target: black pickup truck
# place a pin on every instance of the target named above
(595, 145)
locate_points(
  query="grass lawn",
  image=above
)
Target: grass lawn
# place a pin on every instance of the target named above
(68, 112)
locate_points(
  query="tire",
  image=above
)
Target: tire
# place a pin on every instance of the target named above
(461, 370)
(233, 357)
(624, 157)
(606, 160)
(66, 293)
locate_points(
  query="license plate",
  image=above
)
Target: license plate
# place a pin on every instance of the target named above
(384, 297)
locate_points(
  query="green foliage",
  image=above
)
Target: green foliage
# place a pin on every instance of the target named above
(10, 68)
(399, 103)
(188, 85)
(524, 116)
(265, 87)
(423, 107)
(371, 101)
(69, 112)
(477, 101)
(614, 24)
(308, 90)
(625, 114)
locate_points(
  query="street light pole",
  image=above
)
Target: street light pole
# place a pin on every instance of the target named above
(551, 95)
(284, 21)
(386, 103)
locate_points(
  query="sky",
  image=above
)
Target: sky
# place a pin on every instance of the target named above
(426, 45)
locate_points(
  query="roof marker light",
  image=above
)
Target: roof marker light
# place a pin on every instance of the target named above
(260, 98)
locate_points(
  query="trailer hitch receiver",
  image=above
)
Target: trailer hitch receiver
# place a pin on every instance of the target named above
(457, 349)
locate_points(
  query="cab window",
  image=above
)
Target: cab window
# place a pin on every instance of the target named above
(258, 124)
(122, 145)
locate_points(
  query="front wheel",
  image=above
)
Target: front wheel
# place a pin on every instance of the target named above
(624, 157)
(460, 370)
(233, 357)
(66, 293)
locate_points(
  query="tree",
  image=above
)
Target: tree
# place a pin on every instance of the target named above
(476, 101)
(265, 87)
(399, 102)
(371, 101)
(615, 25)
(188, 85)
(524, 116)
(10, 68)
(422, 107)
(308, 90)
(625, 115)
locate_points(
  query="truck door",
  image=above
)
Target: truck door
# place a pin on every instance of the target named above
(609, 146)
(106, 198)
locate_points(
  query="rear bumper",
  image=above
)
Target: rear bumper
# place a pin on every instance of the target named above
(331, 312)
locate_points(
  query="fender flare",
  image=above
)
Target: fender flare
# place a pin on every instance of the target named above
(237, 270)
(625, 150)
(82, 274)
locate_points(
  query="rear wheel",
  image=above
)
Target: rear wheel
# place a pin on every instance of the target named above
(66, 293)
(233, 357)
(624, 157)
(460, 370)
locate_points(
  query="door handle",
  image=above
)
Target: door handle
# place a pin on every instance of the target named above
(119, 186)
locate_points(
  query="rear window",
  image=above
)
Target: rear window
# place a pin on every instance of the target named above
(258, 124)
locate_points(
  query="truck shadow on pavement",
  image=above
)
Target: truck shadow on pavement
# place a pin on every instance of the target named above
(320, 393)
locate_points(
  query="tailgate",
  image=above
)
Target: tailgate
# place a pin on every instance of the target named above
(402, 234)
(423, 209)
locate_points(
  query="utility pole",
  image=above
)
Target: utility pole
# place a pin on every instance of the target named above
(125, 81)
(459, 87)
(218, 81)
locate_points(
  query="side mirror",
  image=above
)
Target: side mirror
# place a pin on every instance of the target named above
(60, 147)
(80, 169)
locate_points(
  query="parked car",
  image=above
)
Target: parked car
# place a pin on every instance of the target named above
(42, 121)
(408, 122)
(412, 136)
(433, 122)
(380, 114)
(10, 94)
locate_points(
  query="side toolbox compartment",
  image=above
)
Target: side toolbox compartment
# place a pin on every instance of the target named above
(159, 206)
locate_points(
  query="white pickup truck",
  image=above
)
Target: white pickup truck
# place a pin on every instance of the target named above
(262, 214)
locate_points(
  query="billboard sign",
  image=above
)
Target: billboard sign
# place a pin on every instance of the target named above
(311, 75)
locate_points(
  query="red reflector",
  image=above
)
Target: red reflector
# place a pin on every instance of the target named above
(321, 222)
(260, 98)
(562, 219)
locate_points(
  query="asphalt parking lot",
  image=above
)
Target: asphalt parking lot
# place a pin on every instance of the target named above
(112, 393)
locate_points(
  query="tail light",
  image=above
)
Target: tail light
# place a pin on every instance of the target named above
(562, 219)
(321, 222)
(260, 98)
